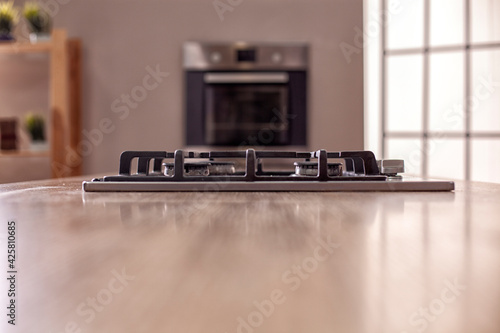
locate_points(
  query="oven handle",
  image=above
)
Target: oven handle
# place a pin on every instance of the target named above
(277, 77)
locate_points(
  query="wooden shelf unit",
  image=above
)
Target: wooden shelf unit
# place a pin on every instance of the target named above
(24, 47)
(65, 99)
(24, 153)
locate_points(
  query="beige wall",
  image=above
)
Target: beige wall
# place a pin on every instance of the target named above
(122, 38)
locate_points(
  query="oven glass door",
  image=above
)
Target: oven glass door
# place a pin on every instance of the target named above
(246, 109)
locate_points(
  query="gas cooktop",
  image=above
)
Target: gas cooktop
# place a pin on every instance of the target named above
(255, 170)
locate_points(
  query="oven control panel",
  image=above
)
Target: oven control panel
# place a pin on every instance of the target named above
(247, 56)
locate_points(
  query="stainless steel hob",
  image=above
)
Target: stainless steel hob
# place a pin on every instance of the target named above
(246, 170)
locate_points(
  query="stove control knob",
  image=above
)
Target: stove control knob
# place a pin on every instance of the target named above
(276, 57)
(391, 167)
(215, 57)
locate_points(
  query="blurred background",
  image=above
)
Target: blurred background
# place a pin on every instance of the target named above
(412, 79)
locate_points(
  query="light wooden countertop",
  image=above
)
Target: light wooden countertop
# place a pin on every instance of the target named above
(252, 262)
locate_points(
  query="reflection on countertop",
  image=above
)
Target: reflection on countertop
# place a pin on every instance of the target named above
(349, 262)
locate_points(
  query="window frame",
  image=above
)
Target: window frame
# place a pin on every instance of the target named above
(425, 135)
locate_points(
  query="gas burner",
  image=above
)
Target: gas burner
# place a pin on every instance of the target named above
(216, 171)
(202, 169)
(311, 169)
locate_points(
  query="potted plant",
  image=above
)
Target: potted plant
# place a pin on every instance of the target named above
(8, 18)
(39, 21)
(35, 125)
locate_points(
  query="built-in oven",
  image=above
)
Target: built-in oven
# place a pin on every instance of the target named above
(243, 94)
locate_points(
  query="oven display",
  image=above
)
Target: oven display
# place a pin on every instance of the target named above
(248, 55)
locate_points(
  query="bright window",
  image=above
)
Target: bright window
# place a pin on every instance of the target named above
(432, 79)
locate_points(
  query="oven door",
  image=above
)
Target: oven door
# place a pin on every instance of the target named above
(246, 108)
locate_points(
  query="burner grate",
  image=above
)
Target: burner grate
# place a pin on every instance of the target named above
(312, 171)
(360, 166)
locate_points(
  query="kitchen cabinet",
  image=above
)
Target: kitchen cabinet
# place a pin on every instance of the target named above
(254, 262)
(64, 100)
